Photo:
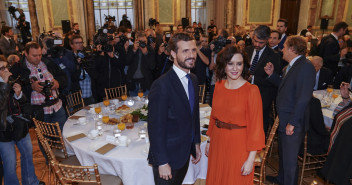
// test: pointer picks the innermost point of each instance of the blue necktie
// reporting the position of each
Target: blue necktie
(254, 62)
(190, 92)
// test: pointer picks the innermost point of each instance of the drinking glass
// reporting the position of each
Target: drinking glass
(124, 96)
(99, 127)
(140, 93)
(105, 118)
(117, 133)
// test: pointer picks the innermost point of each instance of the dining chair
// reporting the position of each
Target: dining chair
(309, 161)
(260, 158)
(201, 93)
(116, 92)
(74, 102)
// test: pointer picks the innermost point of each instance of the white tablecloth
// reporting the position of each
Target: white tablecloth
(328, 111)
(129, 163)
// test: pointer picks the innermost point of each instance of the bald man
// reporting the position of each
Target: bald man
(323, 76)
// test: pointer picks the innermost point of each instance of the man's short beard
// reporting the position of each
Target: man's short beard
(183, 64)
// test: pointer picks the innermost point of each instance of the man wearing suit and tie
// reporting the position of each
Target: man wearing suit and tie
(174, 130)
(281, 27)
(323, 76)
(259, 54)
(329, 48)
(7, 44)
(294, 94)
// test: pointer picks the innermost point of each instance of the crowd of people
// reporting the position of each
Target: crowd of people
(246, 72)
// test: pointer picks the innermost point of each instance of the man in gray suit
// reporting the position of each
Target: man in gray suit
(7, 44)
(295, 90)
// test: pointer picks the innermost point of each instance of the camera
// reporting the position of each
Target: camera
(102, 38)
(196, 34)
(53, 45)
(167, 36)
(219, 43)
(47, 92)
(142, 44)
(85, 59)
(123, 40)
(150, 40)
(110, 18)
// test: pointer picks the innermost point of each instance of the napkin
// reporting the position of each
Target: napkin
(75, 137)
(75, 117)
(203, 138)
(203, 105)
(87, 107)
(106, 148)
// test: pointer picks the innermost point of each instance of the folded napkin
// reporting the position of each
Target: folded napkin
(75, 137)
(87, 107)
(75, 117)
(203, 105)
(105, 149)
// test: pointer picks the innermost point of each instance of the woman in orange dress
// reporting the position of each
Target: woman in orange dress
(236, 123)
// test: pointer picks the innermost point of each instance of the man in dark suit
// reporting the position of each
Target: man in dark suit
(344, 75)
(259, 54)
(173, 128)
(323, 76)
(274, 41)
(329, 48)
(294, 93)
(282, 28)
(7, 44)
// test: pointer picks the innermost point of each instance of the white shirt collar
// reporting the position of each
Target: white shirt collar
(294, 60)
(336, 37)
(283, 35)
(180, 73)
(7, 38)
(274, 47)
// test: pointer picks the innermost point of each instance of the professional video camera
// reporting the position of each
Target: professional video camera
(53, 44)
(109, 18)
(85, 59)
(102, 38)
(12, 10)
(219, 43)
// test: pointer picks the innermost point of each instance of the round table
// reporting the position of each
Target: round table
(129, 163)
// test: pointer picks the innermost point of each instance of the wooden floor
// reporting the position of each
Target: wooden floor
(41, 169)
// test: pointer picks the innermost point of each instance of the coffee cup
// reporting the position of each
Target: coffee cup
(91, 110)
(94, 133)
(115, 101)
(123, 141)
(82, 120)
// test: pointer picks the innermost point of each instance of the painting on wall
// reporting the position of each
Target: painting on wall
(257, 11)
(327, 9)
(166, 11)
(59, 11)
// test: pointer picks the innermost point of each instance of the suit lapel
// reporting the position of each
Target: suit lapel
(178, 87)
(196, 92)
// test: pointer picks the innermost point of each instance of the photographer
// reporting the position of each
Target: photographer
(14, 131)
(141, 62)
(84, 75)
(41, 80)
(203, 60)
(24, 28)
(164, 60)
(125, 22)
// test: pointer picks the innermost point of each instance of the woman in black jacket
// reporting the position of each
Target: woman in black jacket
(12, 133)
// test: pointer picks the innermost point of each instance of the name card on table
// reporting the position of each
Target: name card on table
(110, 139)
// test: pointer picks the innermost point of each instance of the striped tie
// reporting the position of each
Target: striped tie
(254, 62)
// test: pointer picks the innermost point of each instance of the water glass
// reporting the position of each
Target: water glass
(99, 127)
(117, 133)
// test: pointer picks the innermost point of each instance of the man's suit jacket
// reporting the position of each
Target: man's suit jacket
(329, 50)
(325, 78)
(294, 93)
(344, 75)
(282, 42)
(171, 125)
(267, 90)
(7, 48)
(283, 63)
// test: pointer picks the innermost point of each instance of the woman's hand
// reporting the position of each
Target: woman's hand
(207, 149)
(247, 167)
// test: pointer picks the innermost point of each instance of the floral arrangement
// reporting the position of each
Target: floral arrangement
(142, 113)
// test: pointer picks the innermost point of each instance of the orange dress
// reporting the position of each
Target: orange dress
(229, 149)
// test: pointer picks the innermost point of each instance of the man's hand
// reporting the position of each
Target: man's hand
(99, 47)
(165, 172)
(269, 68)
(135, 45)
(56, 85)
(289, 129)
(17, 88)
(36, 87)
(344, 90)
(111, 54)
(127, 43)
(207, 149)
(198, 155)
(5, 75)
(343, 52)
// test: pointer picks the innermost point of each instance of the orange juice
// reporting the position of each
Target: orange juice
(335, 96)
(121, 126)
(105, 119)
(329, 90)
(97, 110)
(106, 102)
(124, 97)
(140, 94)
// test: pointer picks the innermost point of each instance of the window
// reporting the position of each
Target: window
(198, 11)
(117, 8)
(22, 4)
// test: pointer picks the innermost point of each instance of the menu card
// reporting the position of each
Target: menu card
(105, 149)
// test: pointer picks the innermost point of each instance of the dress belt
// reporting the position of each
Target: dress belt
(228, 126)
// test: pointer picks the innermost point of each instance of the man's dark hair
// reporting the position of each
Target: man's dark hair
(262, 32)
(5, 29)
(179, 37)
(179, 25)
(141, 34)
(283, 20)
(194, 22)
(74, 24)
(340, 25)
(275, 31)
(121, 29)
(297, 43)
(75, 37)
(224, 33)
(30, 45)
(309, 26)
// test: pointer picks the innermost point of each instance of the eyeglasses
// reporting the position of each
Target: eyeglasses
(4, 67)
(40, 73)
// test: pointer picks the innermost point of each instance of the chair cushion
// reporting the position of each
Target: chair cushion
(259, 157)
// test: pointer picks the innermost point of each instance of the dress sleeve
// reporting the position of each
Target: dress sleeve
(255, 131)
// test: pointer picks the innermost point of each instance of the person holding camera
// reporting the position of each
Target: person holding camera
(42, 80)
(164, 60)
(14, 131)
(141, 62)
(202, 61)
(24, 28)
(83, 78)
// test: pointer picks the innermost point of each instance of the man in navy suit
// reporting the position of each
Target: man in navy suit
(323, 76)
(294, 93)
(173, 118)
(281, 27)
(329, 48)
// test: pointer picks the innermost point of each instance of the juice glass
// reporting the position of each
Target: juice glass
(140, 93)
(124, 96)
(105, 118)
(121, 126)
(106, 102)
